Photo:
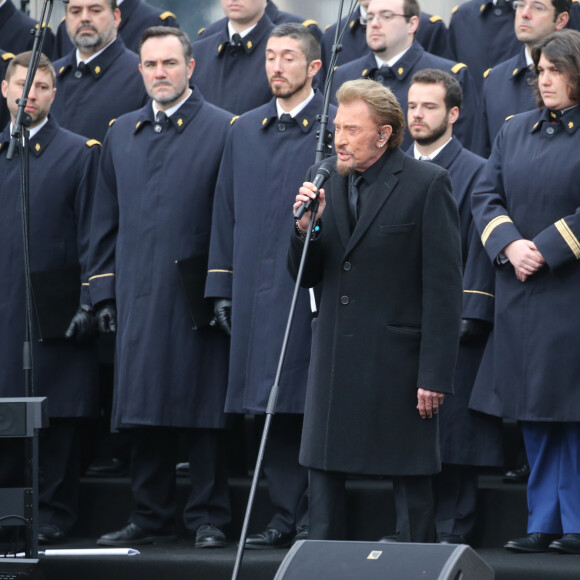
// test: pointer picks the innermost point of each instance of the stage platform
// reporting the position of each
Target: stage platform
(106, 503)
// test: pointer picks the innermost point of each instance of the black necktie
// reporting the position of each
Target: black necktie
(82, 69)
(353, 195)
(236, 43)
(161, 122)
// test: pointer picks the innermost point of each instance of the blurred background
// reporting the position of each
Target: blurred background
(195, 14)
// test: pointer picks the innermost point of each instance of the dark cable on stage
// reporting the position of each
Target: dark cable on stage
(19, 141)
(322, 151)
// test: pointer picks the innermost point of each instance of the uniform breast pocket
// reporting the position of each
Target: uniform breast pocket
(396, 229)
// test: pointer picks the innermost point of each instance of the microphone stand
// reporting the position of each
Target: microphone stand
(19, 139)
(322, 151)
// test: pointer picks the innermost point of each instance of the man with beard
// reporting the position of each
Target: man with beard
(506, 87)
(99, 80)
(468, 439)
(152, 211)
(387, 254)
(136, 17)
(230, 71)
(265, 160)
(394, 55)
(63, 169)
(5, 58)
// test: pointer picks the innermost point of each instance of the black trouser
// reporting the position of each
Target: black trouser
(153, 458)
(287, 480)
(455, 490)
(413, 503)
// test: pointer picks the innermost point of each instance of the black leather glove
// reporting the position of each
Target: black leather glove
(222, 308)
(474, 331)
(83, 326)
(106, 316)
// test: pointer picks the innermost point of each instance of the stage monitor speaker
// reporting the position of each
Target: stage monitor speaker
(314, 560)
(20, 569)
(20, 416)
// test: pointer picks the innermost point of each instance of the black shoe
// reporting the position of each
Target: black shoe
(567, 544)
(536, 542)
(301, 534)
(49, 534)
(268, 539)
(132, 534)
(182, 469)
(209, 536)
(446, 538)
(518, 475)
(389, 539)
(108, 467)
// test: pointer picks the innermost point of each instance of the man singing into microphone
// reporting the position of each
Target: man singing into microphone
(386, 253)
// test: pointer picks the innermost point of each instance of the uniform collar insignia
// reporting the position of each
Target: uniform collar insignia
(570, 120)
(179, 120)
(39, 143)
(250, 41)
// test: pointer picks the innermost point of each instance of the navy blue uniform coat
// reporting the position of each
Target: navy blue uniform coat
(153, 207)
(431, 35)
(5, 58)
(530, 370)
(15, 27)
(233, 78)
(111, 87)
(388, 322)
(468, 437)
(276, 15)
(506, 92)
(63, 170)
(261, 171)
(415, 59)
(136, 17)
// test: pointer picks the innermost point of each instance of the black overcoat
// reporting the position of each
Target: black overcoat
(388, 322)
(153, 207)
(63, 170)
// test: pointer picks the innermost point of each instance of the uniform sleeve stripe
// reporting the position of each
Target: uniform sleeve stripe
(497, 221)
(220, 271)
(101, 276)
(479, 292)
(569, 237)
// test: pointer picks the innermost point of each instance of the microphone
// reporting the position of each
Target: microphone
(322, 174)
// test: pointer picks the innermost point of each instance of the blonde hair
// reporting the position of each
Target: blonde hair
(382, 103)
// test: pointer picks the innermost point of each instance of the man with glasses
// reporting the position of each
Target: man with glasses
(395, 55)
(506, 88)
(431, 35)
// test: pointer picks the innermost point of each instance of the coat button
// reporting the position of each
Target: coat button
(347, 266)
(497, 12)
(550, 130)
(344, 300)
(157, 128)
(380, 79)
(78, 74)
(281, 127)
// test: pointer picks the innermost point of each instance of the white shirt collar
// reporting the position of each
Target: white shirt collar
(2, 2)
(34, 130)
(171, 110)
(433, 154)
(296, 110)
(393, 60)
(529, 60)
(243, 34)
